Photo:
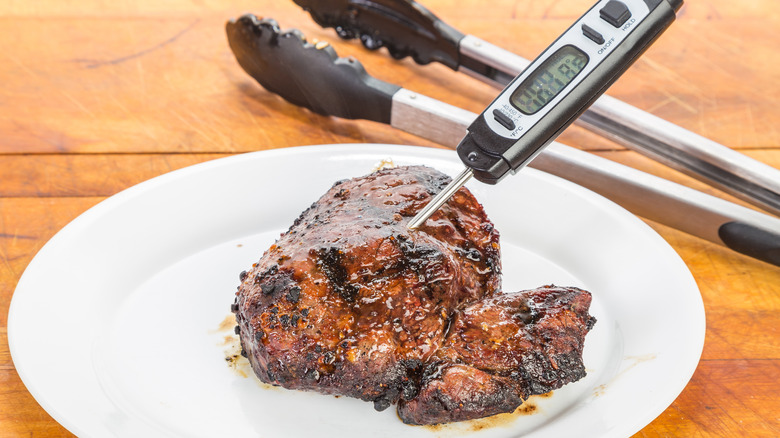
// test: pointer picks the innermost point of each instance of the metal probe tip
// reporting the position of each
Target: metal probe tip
(439, 200)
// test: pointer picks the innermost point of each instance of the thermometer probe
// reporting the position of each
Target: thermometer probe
(555, 89)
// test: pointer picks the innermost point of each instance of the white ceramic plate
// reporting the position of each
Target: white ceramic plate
(118, 326)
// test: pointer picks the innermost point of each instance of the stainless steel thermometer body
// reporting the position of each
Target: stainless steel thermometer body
(556, 88)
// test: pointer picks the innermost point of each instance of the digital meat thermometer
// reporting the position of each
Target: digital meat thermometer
(555, 89)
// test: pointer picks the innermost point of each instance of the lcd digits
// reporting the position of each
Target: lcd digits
(549, 79)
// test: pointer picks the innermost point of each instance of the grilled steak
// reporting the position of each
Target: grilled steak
(349, 301)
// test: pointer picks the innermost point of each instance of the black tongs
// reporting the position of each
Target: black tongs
(406, 28)
(284, 63)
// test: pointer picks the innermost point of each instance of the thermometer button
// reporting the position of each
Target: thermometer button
(592, 34)
(503, 119)
(615, 13)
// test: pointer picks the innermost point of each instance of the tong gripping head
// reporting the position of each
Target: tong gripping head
(404, 27)
(307, 74)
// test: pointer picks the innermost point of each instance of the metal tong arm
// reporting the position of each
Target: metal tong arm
(406, 28)
(719, 221)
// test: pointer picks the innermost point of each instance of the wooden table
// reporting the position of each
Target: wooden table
(97, 96)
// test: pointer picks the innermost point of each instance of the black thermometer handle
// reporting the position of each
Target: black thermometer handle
(561, 84)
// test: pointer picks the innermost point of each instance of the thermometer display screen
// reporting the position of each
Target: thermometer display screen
(547, 81)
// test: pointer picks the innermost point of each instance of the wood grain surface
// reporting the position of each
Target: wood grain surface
(96, 96)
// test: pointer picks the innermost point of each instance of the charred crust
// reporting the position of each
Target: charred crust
(329, 357)
(302, 217)
(472, 254)
(330, 261)
(435, 182)
(538, 377)
(410, 383)
(274, 286)
(526, 314)
(383, 402)
(294, 294)
(312, 375)
(415, 256)
(265, 274)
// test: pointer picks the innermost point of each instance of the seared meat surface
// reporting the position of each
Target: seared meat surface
(349, 301)
(502, 350)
